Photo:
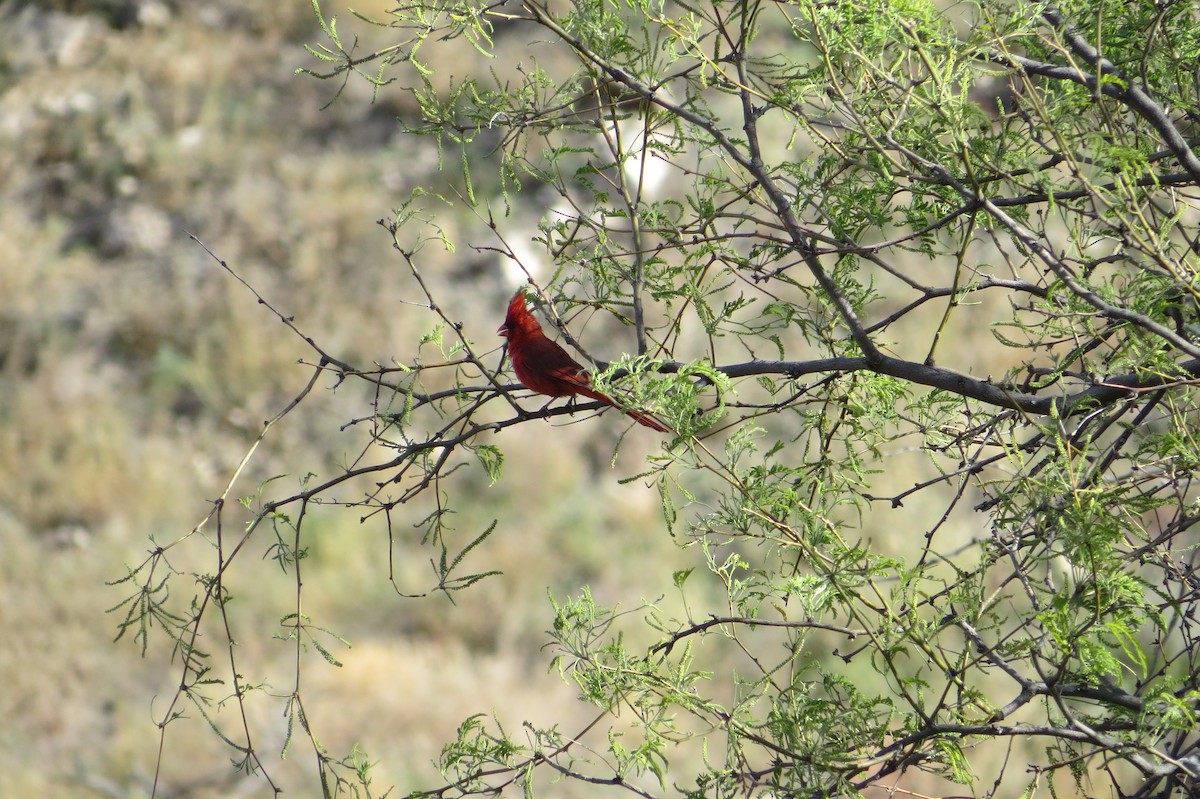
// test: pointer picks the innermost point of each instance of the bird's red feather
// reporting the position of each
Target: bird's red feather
(545, 367)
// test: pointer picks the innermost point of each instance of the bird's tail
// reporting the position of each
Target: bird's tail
(647, 421)
(644, 419)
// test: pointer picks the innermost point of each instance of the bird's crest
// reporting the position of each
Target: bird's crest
(519, 320)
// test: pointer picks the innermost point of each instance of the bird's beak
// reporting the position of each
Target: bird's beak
(502, 330)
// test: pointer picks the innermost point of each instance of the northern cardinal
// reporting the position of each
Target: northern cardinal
(545, 367)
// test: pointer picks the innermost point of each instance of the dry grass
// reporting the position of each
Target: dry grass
(135, 373)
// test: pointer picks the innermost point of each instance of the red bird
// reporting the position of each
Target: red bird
(544, 367)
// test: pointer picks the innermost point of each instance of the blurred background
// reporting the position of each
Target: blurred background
(135, 373)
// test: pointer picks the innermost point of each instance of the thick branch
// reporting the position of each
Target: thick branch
(1125, 90)
(1034, 244)
(983, 390)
